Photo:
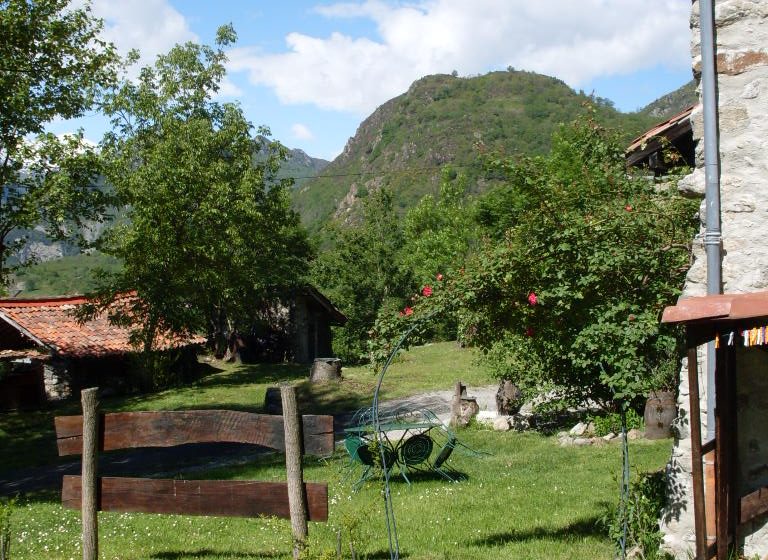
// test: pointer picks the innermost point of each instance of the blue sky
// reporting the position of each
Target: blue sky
(312, 71)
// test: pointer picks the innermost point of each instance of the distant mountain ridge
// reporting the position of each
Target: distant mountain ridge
(674, 102)
(444, 119)
(404, 143)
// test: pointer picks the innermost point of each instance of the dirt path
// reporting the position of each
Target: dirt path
(170, 462)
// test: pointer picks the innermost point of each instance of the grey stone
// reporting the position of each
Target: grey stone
(501, 424)
(609, 437)
(582, 441)
(579, 429)
(634, 433)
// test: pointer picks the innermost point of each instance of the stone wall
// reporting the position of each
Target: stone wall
(742, 58)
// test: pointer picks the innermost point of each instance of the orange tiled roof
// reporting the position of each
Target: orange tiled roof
(51, 323)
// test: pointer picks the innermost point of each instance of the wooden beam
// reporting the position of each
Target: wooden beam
(699, 514)
(753, 505)
(232, 498)
(725, 451)
(124, 430)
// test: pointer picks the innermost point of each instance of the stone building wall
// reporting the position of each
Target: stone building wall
(742, 58)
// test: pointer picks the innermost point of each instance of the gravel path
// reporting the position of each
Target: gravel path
(170, 462)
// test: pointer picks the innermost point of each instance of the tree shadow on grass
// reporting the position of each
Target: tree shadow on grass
(585, 527)
(209, 553)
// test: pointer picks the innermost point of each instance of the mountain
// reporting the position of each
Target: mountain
(444, 119)
(671, 104)
(301, 167)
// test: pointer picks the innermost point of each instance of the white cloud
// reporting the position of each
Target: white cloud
(301, 132)
(151, 26)
(228, 89)
(575, 41)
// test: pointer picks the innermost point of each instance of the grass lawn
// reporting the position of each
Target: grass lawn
(530, 500)
(27, 438)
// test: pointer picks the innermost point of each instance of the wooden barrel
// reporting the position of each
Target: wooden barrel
(660, 412)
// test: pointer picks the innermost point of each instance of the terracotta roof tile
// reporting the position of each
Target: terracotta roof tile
(51, 322)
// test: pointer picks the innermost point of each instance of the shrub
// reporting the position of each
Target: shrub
(647, 496)
(611, 422)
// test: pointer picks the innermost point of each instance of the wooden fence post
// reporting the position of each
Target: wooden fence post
(90, 403)
(296, 501)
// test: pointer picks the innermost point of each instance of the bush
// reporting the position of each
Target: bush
(647, 497)
(157, 370)
(611, 422)
(6, 510)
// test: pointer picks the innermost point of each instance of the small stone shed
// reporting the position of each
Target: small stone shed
(729, 473)
(46, 354)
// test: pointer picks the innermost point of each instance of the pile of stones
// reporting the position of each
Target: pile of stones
(583, 434)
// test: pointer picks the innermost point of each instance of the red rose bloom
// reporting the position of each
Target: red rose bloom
(532, 299)
(408, 311)
(426, 291)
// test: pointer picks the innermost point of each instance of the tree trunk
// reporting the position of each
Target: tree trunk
(235, 345)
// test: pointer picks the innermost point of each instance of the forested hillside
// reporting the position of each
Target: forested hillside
(404, 144)
(443, 119)
(672, 103)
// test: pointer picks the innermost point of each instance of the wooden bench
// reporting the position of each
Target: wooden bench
(93, 432)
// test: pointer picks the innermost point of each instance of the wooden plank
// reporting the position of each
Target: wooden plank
(708, 447)
(710, 494)
(229, 498)
(697, 469)
(124, 430)
(753, 505)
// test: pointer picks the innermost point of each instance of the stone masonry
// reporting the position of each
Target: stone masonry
(742, 60)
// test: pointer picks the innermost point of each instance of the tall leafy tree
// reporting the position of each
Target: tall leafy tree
(362, 273)
(209, 235)
(53, 65)
(438, 231)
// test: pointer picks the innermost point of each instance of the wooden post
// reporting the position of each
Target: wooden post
(697, 469)
(90, 403)
(459, 391)
(296, 501)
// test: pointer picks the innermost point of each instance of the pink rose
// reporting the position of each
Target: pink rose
(439, 277)
(532, 299)
(408, 311)
(426, 291)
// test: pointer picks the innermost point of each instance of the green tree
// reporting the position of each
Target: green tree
(570, 299)
(438, 232)
(361, 272)
(570, 296)
(209, 236)
(52, 65)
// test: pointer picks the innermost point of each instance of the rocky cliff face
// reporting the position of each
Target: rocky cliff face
(742, 59)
